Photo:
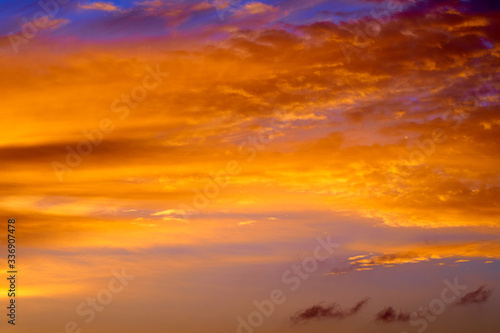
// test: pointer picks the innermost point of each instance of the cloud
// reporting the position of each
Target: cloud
(203, 6)
(254, 11)
(245, 223)
(338, 147)
(417, 254)
(168, 212)
(223, 4)
(478, 296)
(389, 315)
(258, 8)
(329, 311)
(348, 125)
(172, 215)
(104, 6)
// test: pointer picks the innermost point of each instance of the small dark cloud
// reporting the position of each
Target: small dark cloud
(328, 311)
(480, 295)
(388, 315)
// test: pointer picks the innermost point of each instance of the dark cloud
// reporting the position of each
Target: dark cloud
(478, 296)
(329, 311)
(388, 315)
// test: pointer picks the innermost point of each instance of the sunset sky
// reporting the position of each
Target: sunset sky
(207, 148)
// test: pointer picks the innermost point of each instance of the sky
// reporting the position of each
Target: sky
(251, 166)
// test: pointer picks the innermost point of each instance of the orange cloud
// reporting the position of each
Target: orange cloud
(104, 6)
(258, 8)
(413, 254)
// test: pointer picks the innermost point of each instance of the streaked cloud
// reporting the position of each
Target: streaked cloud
(327, 311)
(104, 6)
(258, 8)
(325, 144)
(478, 296)
(389, 315)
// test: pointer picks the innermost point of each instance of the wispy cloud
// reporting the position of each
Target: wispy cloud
(390, 315)
(327, 311)
(478, 296)
(417, 254)
(246, 223)
(104, 6)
